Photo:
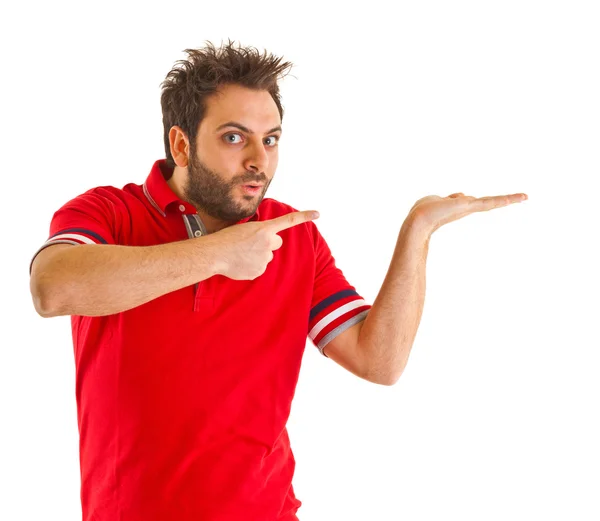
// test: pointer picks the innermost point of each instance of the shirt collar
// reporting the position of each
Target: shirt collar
(159, 193)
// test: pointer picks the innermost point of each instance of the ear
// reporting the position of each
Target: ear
(180, 146)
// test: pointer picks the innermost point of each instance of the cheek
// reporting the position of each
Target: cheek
(228, 167)
(274, 161)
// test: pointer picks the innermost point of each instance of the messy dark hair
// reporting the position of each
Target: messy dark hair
(192, 80)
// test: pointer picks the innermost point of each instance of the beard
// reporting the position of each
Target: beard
(207, 191)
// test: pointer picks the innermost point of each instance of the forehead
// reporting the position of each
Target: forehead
(253, 108)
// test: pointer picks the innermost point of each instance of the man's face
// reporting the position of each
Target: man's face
(236, 145)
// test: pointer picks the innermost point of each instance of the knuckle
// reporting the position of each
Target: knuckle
(266, 236)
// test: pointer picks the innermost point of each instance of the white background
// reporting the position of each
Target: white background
(496, 415)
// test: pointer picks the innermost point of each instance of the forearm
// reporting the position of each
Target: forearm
(389, 330)
(98, 279)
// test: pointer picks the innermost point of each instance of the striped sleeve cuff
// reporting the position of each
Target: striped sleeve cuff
(70, 236)
(334, 315)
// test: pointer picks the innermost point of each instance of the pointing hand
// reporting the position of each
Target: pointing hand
(244, 250)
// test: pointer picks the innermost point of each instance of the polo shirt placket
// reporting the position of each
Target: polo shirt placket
(162, 200)
(204, 299)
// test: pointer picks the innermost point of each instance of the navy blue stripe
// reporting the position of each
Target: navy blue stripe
(81, 230)
(330, 300)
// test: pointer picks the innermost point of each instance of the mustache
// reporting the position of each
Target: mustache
(253, 179)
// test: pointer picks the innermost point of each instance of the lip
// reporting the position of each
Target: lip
(253, 190)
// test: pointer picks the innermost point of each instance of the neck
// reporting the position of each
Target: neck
(175, 181)
(211, 224)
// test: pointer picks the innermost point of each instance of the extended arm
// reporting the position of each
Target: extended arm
(388, 332)
(102, 279)
(377, 349)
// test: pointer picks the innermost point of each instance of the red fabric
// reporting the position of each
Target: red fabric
(183, 401)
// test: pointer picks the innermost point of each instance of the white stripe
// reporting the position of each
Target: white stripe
(341, 328)
(82, 238)
(45, 245)
(152, 202)
(328, 319)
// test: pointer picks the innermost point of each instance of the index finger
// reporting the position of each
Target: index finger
(291, 219)
(497, 201)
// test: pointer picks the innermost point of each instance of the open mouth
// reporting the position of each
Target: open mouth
(252, 189)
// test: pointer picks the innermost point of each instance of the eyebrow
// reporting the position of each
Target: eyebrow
(246, 129)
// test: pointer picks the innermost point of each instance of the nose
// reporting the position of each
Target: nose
(258, 159)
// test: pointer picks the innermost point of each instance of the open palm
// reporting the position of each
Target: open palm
(436, 211)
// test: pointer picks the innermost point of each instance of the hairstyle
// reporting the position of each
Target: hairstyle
(191, 81)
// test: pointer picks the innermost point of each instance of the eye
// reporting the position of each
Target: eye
(230, 138)
(227, 137)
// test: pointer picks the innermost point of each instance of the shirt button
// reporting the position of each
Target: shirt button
(197, 233)
(182, 208)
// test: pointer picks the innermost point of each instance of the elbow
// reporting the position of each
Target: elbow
(387, 378)
(41, 308)
(395, 375)
(390, 380)
(42, 301)
(384, 365)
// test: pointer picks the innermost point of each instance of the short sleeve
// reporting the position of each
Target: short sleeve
(89, 218)
(336, 305)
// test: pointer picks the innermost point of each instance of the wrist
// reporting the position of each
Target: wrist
(417, 225)
(212, 252)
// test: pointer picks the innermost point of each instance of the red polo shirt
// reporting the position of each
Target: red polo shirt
(182, 402)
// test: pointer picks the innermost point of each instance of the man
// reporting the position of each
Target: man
(191, 297)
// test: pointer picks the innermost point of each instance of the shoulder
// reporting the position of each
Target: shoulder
(107, 200)
(101, 193)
